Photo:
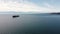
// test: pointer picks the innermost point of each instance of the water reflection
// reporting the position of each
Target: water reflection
(29, 24)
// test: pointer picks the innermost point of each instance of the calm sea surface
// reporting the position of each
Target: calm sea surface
(29, 24)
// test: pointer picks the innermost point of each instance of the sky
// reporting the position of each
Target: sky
(37, 6)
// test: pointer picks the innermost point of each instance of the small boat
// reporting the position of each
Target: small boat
(15, 16)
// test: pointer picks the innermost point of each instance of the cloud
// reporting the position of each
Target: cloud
(24, 6)
(18, 7)
(51, 7)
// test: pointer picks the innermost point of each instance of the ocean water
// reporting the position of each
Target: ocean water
(29, 24)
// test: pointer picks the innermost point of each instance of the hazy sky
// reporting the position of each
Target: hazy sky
(41, 6)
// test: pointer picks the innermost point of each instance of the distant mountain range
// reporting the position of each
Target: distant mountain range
(13, 12)
(56, 13)
(19, 13)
